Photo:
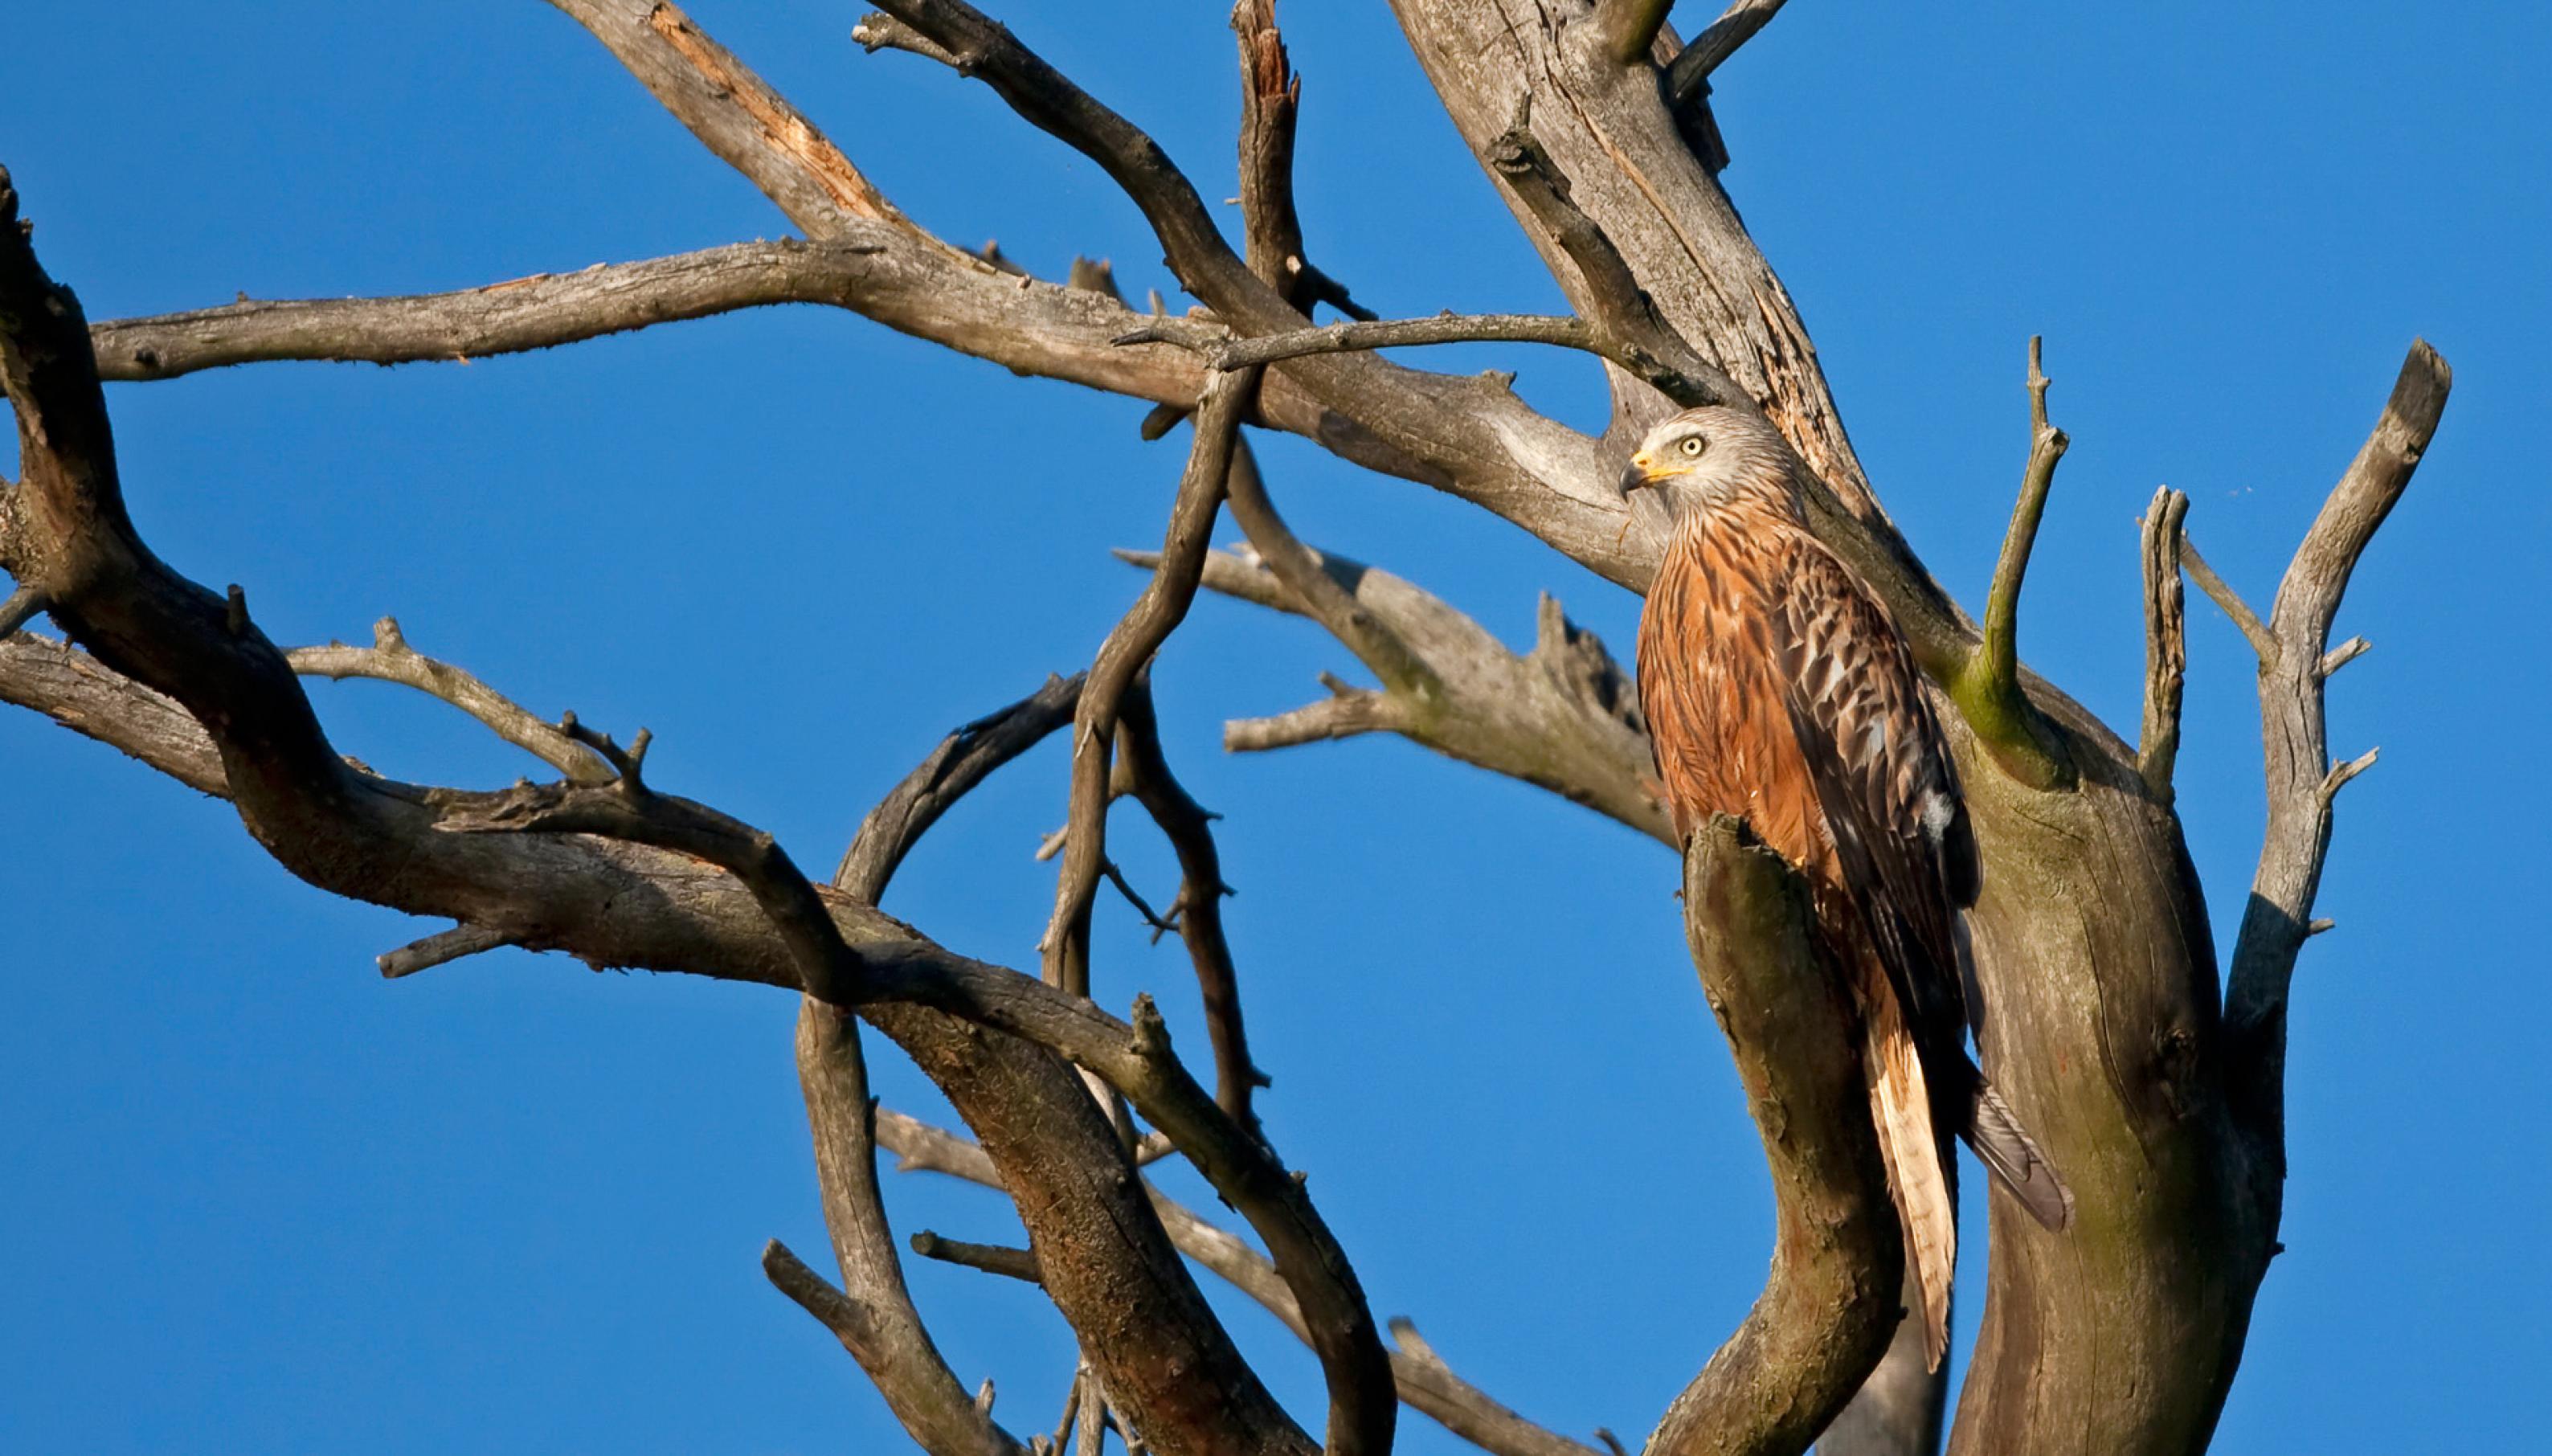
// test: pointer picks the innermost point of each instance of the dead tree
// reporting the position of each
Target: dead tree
(1592, 119)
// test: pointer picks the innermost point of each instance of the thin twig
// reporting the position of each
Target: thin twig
(1143, 770)
(879, 31)
(1222, 350)
(2253, 631)
(2341, 655)
(390, 660)
(1135, 897)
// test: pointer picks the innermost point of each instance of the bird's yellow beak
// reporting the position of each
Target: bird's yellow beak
(1639, 474)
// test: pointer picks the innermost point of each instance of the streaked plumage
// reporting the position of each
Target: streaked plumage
(1777, 687)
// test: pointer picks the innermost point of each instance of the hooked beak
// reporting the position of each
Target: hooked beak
(1634, 476)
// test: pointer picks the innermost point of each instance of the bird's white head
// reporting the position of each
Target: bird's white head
(1706, 459)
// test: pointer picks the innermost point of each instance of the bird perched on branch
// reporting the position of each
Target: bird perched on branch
(1778, 689)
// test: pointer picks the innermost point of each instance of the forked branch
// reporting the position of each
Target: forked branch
(1425, 1382)
(1128, 647)
(1142, 771)
(1564, 716)
(2302, 779)
(890, 1342)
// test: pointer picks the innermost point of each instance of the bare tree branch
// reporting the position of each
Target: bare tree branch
(1689, 75)
(1224, 352)
(1421, 1378)
(2301, 778)
(1830, 1305)
(1131, 644)
(893, 1347)
(1630, 27)
(1564, 716)
(390, 660)
(440, 949)
(962, 760)
(1988, 688)
(879, 31)
(1271, 96)
(2253, 631)
(636, 905)
(1143, 770)
(23, 605)
(1019, 1264)
(2166, 641)
(1622, 311)
(735, 113)
(1345, 713)
(73, 689)
(538, 312)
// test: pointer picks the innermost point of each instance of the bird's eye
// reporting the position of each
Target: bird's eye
(1694, 445)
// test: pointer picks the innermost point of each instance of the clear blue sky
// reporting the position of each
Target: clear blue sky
(253, 1197)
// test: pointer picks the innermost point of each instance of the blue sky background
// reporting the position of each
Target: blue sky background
(253, 1197)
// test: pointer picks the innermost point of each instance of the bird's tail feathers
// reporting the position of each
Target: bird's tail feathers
(1917, 1171)
(2015, 1159)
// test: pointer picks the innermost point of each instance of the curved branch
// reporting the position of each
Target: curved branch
(888, 1340)
(1129, 646)
(1830, 1303)
(1226, 352)
(962, 760)
(622, 904)
(1988, 687)
(390, 660)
